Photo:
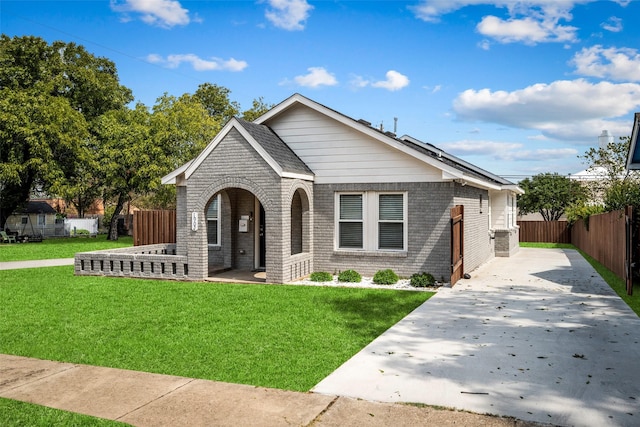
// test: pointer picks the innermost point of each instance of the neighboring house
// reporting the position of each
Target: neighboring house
(633, 159)
(37, 218)
(40, 219)
(304, 188)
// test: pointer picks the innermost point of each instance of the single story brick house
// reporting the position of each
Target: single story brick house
(305, 188)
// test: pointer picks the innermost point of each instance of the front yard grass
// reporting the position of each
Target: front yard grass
(65, 247)
(21, 414)
(287, 337)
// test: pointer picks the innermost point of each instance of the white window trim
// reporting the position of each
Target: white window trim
(338, 221)
(370, 220)
(219, 227)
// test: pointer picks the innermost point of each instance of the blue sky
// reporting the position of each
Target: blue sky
(515, 87)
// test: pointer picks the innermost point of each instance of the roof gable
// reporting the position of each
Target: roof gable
(266, 143)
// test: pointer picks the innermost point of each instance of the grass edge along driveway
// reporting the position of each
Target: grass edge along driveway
(280, 336)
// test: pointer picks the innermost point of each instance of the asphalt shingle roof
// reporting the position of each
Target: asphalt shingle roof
(276, 147)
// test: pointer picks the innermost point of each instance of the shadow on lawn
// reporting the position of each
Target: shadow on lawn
(368, 315)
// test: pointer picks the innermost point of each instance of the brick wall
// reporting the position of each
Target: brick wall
(478, 241)
(428, 234)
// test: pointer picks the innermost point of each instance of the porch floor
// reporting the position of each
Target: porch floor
(238, 276)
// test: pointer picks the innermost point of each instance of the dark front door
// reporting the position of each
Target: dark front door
(263, 239)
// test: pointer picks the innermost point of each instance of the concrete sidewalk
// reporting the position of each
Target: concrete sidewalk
(539, 336)
(12, 265)
(144, 399)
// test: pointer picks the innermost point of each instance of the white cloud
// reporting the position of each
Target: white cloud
(526, 30)
(570, 110)
(613, 24)
(528, 21)
(317, 76)
(484, 44)
(163, 13)
(622, 64)
(506, 151)
(288, 14)
(431, 10)
(394, 81)
(198, 64)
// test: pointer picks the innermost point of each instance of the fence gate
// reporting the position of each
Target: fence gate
(457, 243)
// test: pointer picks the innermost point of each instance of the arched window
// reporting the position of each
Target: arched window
(296, 223)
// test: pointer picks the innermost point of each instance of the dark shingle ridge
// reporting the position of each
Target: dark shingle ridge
(451, 160)
(276, 147)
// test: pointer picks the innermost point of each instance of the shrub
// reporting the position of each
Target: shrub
(350, 276)
(422, 280)
(385, 277)
(81, 232)
(321, 276)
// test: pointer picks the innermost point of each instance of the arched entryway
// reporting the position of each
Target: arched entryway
(236, 234)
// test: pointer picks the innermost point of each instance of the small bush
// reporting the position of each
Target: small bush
(385, 277)
(422, 280)
(350, 276)
(321, 276)
(81, 232)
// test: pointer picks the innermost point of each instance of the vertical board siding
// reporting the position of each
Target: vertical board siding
(604, 240)
(153, 227)
(545, 231)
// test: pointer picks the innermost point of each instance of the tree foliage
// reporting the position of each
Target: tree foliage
(49, 96)
(549, 194)
(66, 129)
(616, 187)
(258, 108)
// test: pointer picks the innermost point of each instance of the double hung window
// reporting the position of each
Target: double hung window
(351, 221)
(213, 221)
(372, 221)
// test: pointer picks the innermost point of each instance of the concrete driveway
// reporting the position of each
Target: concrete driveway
(538, 336)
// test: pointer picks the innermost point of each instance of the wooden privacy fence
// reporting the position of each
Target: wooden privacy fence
(153, 227)
(603, 237)
(545, 231)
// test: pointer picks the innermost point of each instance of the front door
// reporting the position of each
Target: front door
(262, 240)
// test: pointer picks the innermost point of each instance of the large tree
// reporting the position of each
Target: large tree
(549, 194)
(183, 127)
(128, 158)
(50, 94)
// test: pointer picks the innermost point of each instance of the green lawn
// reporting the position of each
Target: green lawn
(616, 283)
(59, 247)
(287, 337)
(22, 414)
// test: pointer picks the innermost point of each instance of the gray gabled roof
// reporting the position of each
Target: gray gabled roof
(36, 207)
(276, 148)
(267, 144)
(451, 160)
